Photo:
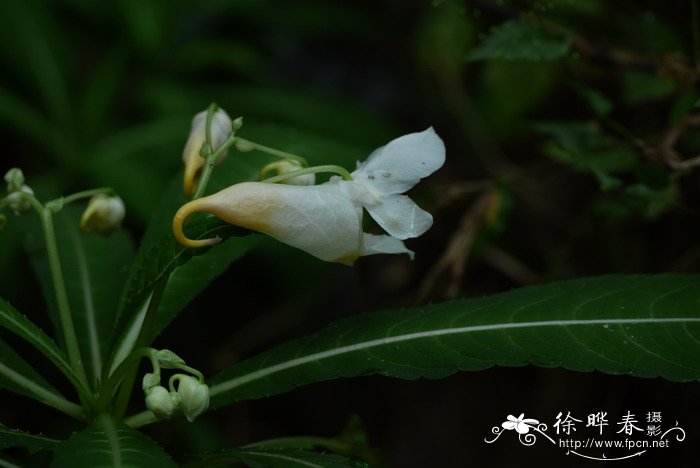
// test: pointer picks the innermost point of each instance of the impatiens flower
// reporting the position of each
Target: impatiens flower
(194, 397)
(221, 129)
(103, 215)
(161, 402)
(521, 426)
(326, 220)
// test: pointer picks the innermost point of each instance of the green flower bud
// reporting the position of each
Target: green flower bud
(16, 201)
(161, 402)
(149, 381)
(15, 180)
(194, 397)
(237, 123)
(289, 165)
(103, 215)
(169, 360)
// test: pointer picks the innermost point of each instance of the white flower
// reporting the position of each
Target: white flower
(103, 215)
(194, 397)
(326, 220)
(221, 129)
(161, 402)
(521, 426)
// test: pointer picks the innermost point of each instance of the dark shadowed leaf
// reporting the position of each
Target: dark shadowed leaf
(645, 326)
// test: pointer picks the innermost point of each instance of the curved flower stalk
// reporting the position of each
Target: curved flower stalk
(326, 220)
(221, 129)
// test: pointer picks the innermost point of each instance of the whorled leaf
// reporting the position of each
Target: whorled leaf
(94, 271)
(17, 438)
(644, 326)
(27, 330)
(110, 443)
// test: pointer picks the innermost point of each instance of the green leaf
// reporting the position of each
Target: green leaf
(263, 457)
(520, 40)
(584, 147)
(94, 270)
(644, 326)
(27, 330)
(33, 443)
(166, 258)
(20, 377)
(110, 443)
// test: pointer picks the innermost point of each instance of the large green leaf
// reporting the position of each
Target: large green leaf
(110, 443)
(33, 443)
(20, 377)
(94, 270)
(645, 326)
(27, 330)
(262, 457)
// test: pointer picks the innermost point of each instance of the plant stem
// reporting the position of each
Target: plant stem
(311, 170)
(84, 194)
(110, 386)
(141, 419)
(141, 341)
(272, 151)
(64, 312)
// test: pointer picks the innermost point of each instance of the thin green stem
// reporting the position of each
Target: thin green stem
(210, 155)
(311, 170)
(141, 419)
(110, 386)
(142, 340)
(84, 194)
(64, 312)
(272, 151)
(42, 394)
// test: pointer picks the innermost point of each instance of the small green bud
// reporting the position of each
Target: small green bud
(161, 402)
(16, 201)
(237, 123)
(289, 165)
(149, 381)
(15, 180)
(169, 360)
(194, 396)
(244, 146)
(103, 215)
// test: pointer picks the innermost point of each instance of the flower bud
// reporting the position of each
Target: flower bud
(221, 129)
(169, 360)
(17, 203)
(103, 215)
(15, 180)
(194, 397)
(161, 402)
(149, 381)
(290, 165)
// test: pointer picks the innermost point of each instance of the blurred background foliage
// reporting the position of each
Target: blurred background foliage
(572, 143)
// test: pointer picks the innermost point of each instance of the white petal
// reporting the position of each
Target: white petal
(400, 217)
(383, 245)
(316, 219)
(400, 165)
(508, 425)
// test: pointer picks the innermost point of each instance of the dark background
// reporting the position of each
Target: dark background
(95, 93)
